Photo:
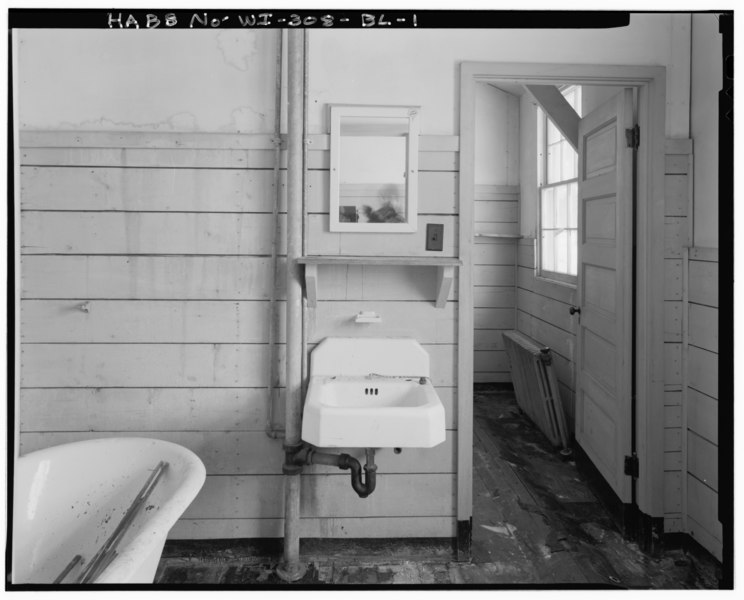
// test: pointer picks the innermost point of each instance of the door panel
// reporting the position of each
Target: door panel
(604, 351)
(599, 221)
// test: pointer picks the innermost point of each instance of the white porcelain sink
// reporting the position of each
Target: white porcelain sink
(391, 404)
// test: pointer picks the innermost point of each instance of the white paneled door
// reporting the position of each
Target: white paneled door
(605, 290)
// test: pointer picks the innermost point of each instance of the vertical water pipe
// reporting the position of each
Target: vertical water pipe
(272, 367)
(290, 569)
(305, 219)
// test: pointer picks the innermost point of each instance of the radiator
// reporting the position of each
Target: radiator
(536, 387)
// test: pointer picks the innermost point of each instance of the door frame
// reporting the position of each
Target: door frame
(649, 298)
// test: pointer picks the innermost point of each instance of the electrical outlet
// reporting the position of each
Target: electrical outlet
(434, 236)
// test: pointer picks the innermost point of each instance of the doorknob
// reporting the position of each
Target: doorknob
(574, 309)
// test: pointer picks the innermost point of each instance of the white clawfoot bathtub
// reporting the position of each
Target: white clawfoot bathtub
(69, 500)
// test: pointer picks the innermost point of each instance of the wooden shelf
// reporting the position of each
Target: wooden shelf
(503, 236)
(425, 261)
(445, 270)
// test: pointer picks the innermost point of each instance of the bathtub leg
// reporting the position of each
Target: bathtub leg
(291, 569)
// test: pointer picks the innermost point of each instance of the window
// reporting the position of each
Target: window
(558, 166)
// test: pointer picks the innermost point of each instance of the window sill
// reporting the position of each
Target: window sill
(567, 284)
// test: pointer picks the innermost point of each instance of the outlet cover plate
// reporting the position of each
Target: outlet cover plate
(435, 236)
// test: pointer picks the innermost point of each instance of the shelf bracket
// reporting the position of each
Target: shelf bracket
(445, 278)
(311, 285)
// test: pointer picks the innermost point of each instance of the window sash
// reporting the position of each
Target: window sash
(557, 240)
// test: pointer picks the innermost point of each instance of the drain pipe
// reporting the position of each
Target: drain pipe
(290, 568)
(307, 455)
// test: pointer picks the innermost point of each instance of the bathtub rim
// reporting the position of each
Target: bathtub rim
(140, 548)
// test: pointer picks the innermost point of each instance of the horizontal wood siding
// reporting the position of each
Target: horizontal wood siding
(494, 261)
(140, 410)
(337, 527)
(542, 314)
(701, 355)
(403, 297)
(254, 453)
(146, 278)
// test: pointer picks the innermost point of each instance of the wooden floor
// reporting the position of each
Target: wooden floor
(536, 523)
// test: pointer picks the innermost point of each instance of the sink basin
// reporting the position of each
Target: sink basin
(374, 410)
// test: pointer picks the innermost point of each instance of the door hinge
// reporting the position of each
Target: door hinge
(633, 137)
(632, 466)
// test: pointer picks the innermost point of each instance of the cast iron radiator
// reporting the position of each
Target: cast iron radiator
(536, 386)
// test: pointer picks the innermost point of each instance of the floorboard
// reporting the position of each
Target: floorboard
(536, 524)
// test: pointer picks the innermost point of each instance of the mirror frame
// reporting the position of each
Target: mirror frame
(337, 112)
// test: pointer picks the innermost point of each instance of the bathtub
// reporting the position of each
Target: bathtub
(68, 500)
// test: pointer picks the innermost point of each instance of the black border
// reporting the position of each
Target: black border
(339, 19)
(10, 318)
(460, 19)
(726, 397)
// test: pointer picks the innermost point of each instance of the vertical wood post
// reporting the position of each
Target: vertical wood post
(465, 323)
(291, 569)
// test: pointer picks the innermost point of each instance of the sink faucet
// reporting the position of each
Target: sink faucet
(422, 380)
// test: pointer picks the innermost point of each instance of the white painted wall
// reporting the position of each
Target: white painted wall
(187, 80)
(678, 78)
(706, 83)
(528, 166)
(420, 67)
(157, 80)
(593, 96)
(496, 137)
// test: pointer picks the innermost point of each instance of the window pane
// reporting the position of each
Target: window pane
(554, 163)
(573, 204)
(569, 163)
(554, 135)
(561, 251)
(547, 243)
(573, 246)
(547, 213)
(558, 204)
(561, 206)
(562, 162)
(572, 95)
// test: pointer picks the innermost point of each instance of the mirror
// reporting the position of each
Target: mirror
(374, 168)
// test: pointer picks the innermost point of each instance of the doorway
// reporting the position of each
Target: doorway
(647, 298)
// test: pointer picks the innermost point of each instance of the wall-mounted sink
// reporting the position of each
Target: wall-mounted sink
(379, 396)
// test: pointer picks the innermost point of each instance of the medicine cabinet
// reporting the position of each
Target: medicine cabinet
(374, 168)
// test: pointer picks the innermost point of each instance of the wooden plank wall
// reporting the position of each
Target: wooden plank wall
(494, 259)
(701, 399)
(677, 203)
(542, 314)
(691, 364)
(404, 299)
(146, 274)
